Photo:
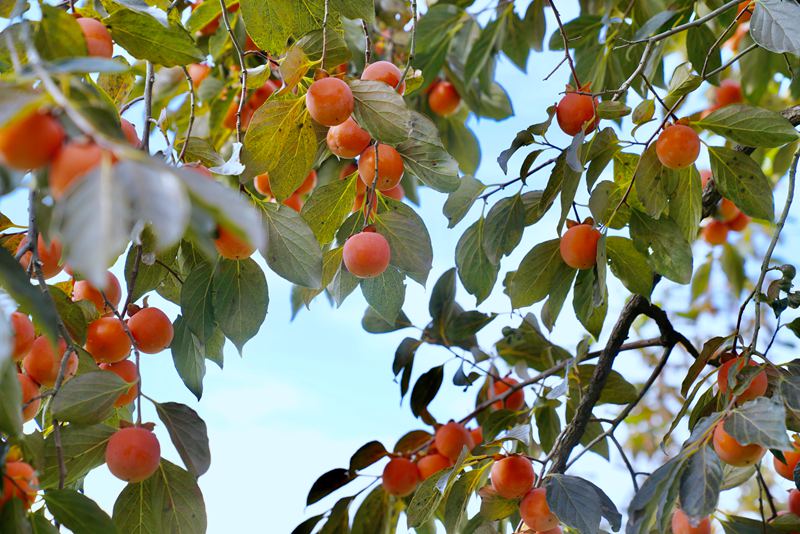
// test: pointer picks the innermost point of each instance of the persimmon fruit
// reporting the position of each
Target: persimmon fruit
(578, 246)
(366, 254)
(535, 511)
(430, 464)
(715, 232)
(43, 361)
(514, 401)
(231, 246)
(49, 256)
(84, 290)
(451, 438)
(347, 140)
(24, 335)
(400, 477)
(73, 162)
(786, 469)
(308, 184)
(576, 112)
(794, 501)
(98, 38)
(739, 223)
(512, 477)
(729, 92)
(295, 201)
(133, 454)
(107, 341)
(30, 141)
(30, 390)
(329, 101)
(678, 146)
(198, 72)
(384, 71)
(390, 167)
(682, 525)
(444, 99)
(151, 329)
(727, 210)
(477, 435)
(757, 388)
(129, 131)
(732, 452)
(747, 7)
(127, 371)
(20, 482)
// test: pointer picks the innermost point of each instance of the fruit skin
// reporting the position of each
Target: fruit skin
(431, 464)
(84, 290)
(739, 223)
(43, 361)
(366, 254)
(127, 371)
(794, 502)
(390, 167)
(261, 183)
(384, 71)
(152, 330)
(30, 141)
(515, 401)
(231, 246)
(400, 477)
(73, 161)
(24, 335)
(578, 246)
(575, 110)
(133, 454)
(477, 435)
(19, 480)
(678, 146)
(786, 469)
(732, 452)
(329, 101)
(107, 341)
(98, 39)
(49, 256)
(745, 6)
(757, 388)
(727, 210)
(198, 72)
(729, 92)
(681, 524)
(512, 477)
(129, 130)
(715, 232)
(443, 99)
(29, 391)
(397, 192)
(348, 140)
(451, 438)
(705, 176)
(308, 184)
(535, 511)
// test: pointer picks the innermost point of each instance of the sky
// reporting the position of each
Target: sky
(307, 393)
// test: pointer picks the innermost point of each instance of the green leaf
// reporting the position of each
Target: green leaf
(700, 42)
(494, 507)
(373, 516)
(77, 512)
(761, 421)
(456, 505)
(644, 111)
(502, 232)
(146, 38)
(652, 506)
(435, 31)
(10, 396)
(460, 142)
(328, 205)
(750, 126)
(84, 448)
(189, 356)
(425, 157)
(686, 202)
(430, 493)
(460, 201)
(281, 141)
(271, 23)
(188, 434)
(612, 109)
(196, 301)
(327, 483)
(385, 293)
(616, 391)
(740, 179)
(651, 179)
(291, 249)
(206, 12)
(774, 26)
(580, 504)
(476, 272)
(240, 299)
(629, 265)
(381, 111)
(408, 239)
(701, 483)
(671, 253)
(733, 266)
(425, 390)
(590, 313)
(14, 280)
(484, 48)
(88, 398)
(549, 426)
(366, 455)
(13, 518)
(745, 525)
(534, 277)
(59, 35)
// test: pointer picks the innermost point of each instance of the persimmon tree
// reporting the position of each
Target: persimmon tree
(180, 140)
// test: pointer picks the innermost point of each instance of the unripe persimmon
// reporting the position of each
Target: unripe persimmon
(84, 290)
(127, 371)
(308, 184)
(30, 390)
(133, 454)
(794, 501)
(152, 330)
(198, 72)
(73, 162)
(24, 335)
(107, 341)
(739, 223)
(576, 112)
(757, 388)
(400, 477)
(443, 99)
(515, 401)
(20, 482)
(329, 101)
(390, 167)
(729, 92)
(451, 438)
(347, 140)
(30, 141)
(682, 525)
(677, 146)
(727, 210)
(43, 361)
(786, 469)
(715, 232)
(231, 246)
(430, 464)
(49, 256)
(366, 254)
(98, 38)
(129, 130)
(535, 511)
(384, 71)
(578, 246)
(732, 452)
(512, 477)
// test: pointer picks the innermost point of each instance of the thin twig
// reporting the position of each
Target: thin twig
(324, 35)
(190, 82)
(367, 43)
(566, 45)
(148, 106)
(412, 45)
(243, 70)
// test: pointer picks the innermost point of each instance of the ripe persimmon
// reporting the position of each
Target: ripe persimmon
(677, 146)
(49, 256)
(107, 341)
(358, 203)
(24, 335)
(366, 254)
(578, 246)
(295, 201)
(390, 167)
(261, 183)
(308, 184)
(329, 101)
(443, 98)
(732, 452)
(747, 7)
(515, 401)
(430, 464)
(705, 176)
(794, 501)
(576, 112)
(198, 72)
(384, 71)
(451, 438)
(84, 290)
(231, 246)
(261, 94)
(512, 477)
(786, 469)
(133, 454)
(43, 361)
(348, 140)
(682, 525)
(535, 511)
(715, 232)
(127, 371)
(757, 388)
(30, 390)
(729, 92)
(152, 330)
(129, 131)
(98, 38)
(400, 477)
(739, 223)
(30, 141)
(477, 435)
(727, 210)
(73, 162)
(19, 481)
